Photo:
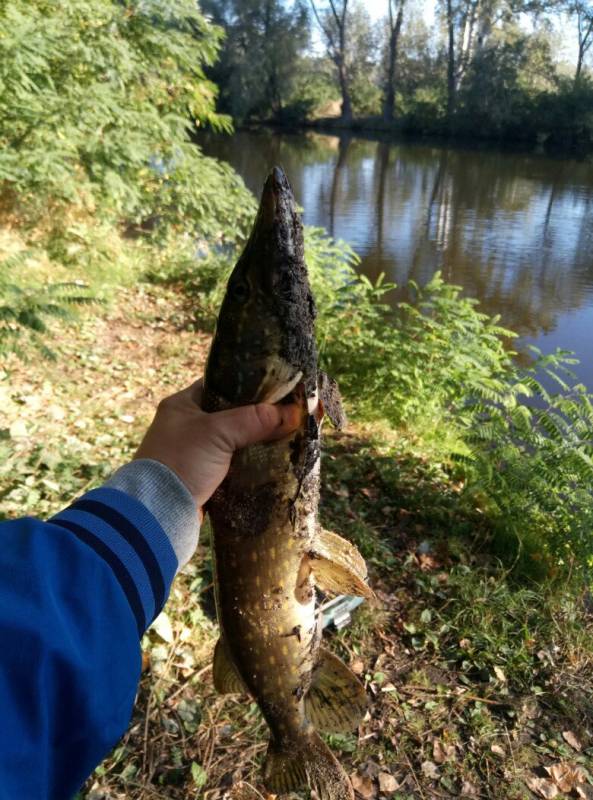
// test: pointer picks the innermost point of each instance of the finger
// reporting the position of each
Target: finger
(247, 425)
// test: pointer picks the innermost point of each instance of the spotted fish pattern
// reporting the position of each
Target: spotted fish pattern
(269, 550)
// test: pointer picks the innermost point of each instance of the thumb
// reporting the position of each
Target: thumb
(247, 425)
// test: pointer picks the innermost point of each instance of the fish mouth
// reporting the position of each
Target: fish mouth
(277, 201)
(264, 342)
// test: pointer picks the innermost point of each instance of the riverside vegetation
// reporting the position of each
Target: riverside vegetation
(464, 478)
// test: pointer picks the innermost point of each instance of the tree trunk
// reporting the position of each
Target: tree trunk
(577, 74)
(394, 32)
(346, 112)
(450, 62)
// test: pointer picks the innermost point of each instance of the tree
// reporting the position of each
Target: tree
(395, 20)
(460, 21)
(263, 44)
(583, 12)
(98, 99)
(333, 23)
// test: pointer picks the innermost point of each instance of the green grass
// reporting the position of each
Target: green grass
(457, 657)
(475, 673)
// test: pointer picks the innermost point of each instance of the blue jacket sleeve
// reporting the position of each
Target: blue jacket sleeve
(76, 594)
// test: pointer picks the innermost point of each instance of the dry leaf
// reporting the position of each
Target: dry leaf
(468, 789)
(500, 674)
(566, 776)
(543, 787)
(497, 750)
(584, 791)
(357, 666)
(18, 430)
(363, 785)
(442, 752)
(244, 791)
(430, 769)
(162, 626)
(572, 740)
(387, 783)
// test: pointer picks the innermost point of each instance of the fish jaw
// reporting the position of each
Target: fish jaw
(264, 342)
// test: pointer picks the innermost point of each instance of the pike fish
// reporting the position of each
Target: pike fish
(269, 549)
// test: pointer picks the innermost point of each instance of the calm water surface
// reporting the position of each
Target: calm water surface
(515, 230)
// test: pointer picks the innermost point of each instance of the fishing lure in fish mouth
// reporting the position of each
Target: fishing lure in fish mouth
(269, 549)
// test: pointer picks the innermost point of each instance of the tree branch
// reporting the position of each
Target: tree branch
(325, 30)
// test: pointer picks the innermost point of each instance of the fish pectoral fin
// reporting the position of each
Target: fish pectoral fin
(226, 676)
(331, 400)
(336, 701)
(308, 761)
(338, 567)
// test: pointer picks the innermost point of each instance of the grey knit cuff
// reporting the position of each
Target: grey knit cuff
(167, 498)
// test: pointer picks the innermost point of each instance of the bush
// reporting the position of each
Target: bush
(439, 368)
(98, 98)
(441, 372)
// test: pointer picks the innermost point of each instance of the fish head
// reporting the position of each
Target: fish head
(264, 343)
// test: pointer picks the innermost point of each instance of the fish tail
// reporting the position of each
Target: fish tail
(311, 763)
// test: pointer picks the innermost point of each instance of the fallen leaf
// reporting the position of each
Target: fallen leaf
(363, 785)
(500, 674)
(18, 429)
(442, 752)
(162, 626)
(357, 666)
(428, 563)
(584, 791)
(430, 769)
(387, 783)
(566, 776)
(572, 740)
(543, 787)
(468, 789)
(438, 752)
(244, 791)
(498, 750)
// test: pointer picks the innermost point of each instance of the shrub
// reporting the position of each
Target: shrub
(440, 368)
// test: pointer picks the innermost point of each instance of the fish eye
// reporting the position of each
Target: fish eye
(240, 291)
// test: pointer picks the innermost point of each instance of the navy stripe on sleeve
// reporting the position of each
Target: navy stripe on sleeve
(119, 570)
(134, 538)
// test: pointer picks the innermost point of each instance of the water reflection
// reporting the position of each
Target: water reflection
(514, 230)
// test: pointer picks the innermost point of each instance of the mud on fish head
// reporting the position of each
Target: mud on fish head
(264, 343)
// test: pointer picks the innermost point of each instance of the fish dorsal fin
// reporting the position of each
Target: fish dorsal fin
(337, 566)
(226, 677)
(336, 702)
(331, 400)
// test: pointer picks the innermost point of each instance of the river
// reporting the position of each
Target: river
(514, 230)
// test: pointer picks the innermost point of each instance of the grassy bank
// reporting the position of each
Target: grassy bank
(479, 683)
(465, 482)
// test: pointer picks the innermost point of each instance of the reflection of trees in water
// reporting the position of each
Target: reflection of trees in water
(496, 224)
(513, 230)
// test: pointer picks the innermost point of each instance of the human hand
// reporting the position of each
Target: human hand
(199, 446)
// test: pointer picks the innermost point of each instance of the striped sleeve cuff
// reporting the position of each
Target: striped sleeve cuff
(123, 532)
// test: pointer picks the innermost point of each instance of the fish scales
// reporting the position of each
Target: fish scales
(269, 550)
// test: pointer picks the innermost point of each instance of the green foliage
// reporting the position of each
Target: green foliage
(314, 91)
(25, 310)
(437, 369)
(97, 100)
(440, 368)
(260, 55)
